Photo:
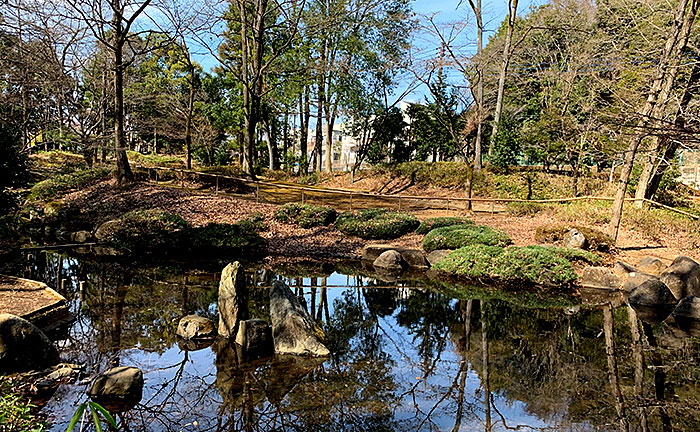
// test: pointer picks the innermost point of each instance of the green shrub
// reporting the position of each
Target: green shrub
(457, 236)
(53, 187)
(430, 224)
(573, 255)
(530, 264)
(155, 160)
(376, 224)
(523, 208)
(306, 215)
(255, 223)
(597, 240)
(141, 230)
(15, 413)
(224, 236)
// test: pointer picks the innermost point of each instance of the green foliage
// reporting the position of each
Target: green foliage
(15, 413)
(523, 208)
(306, 215)
(237, 236)
(57, 162)
(530, 264)
(96, 411)
(506, 144)
(597, 240)
(155, 160)
(457, 236)
(576, 255)
(430, 224)
(376, 224)
(254, 223)
(142, 230)
(389, 138)
(61, 184)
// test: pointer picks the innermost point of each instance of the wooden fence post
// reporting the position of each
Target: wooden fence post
(257, 192)
(351, 202)
(217, 185)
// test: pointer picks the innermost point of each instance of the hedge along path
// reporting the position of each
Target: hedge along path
(282, 193)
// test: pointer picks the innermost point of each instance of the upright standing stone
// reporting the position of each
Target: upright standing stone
(233, 299)
(293, 330)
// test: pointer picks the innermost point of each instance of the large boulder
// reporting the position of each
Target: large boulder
(574, 239)
(233, 299)
(293, 330)
(414, 258)
(255, 339)
(688, 308)
(106, 231)
(600, 277)
(23, 347)
(195, 327)
(682, 277)
(652, 293)
(119, 389)
(389, 260)
(371, 252)
(630, 276)
(651, 265)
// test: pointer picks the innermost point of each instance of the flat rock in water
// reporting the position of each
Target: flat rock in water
(389, 260)
(651, 265)
(195, 327)
(293, 330)
(23, 347)
(600, 277)
(119, 389)
(682, 277)
(371, 252)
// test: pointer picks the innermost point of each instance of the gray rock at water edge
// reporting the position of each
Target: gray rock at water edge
(195, 327)
(688, 308)
(437, 255)
(233, 299)
(630, 276)
(255, 338)
(414, 258)
(389, 260)
(652, 293)
(682, 277)
(118, 389)
(80, 236)
(293, 330)
(623, 270)
(371, 252)
(600, 277)
(23, 347)
(651, 265)
(106, 231)
(575, 240)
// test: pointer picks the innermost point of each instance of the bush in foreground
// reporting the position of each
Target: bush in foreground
(377, 224)
(530, 264)
(430, 224)
(53, 187)
(597, 240)
(306, 215)
(457, 236)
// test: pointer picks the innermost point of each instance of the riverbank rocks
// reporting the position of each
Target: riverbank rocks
(118, 389)
(437, 255)
(23, 347)
(293, 330)
(600, 277)
(630, 276)
(389, 260)
(682, 277)
(413, 258)
(195, 327)
(688, 308)
(80, 236)
(652, 293)
(255, 339)
(233, 299)
(651, 265)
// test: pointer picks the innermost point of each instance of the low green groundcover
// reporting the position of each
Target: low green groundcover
(306, 215)
(378, 224)
(430, 224)
(457, 236)
(597, 240)
(223, 236)
(529, 264)
(55, 186)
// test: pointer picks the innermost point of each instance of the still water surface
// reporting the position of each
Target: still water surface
(405, 356)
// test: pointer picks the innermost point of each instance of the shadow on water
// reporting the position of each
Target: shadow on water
(406, 355)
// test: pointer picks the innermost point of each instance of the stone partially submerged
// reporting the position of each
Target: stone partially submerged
(195, 327)
(23, 347)
(293, 330)
(118, 389)
(652, 300)
(233, 299)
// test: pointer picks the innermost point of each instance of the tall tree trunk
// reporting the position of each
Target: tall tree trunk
(124, 173)
(513, 8)
(319, 111)
(480, 86)
(285, 140)
(304, 119)
(664, 78)
(188, 119)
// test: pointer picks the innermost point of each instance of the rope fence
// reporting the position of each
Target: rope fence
(274, 192)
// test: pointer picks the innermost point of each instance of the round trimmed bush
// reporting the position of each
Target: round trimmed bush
(376, 224)
(430, 224)
(457, 236)
(143, 229)
(306, 215)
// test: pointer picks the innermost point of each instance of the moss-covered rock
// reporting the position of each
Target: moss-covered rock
(457, 236)
(142, 230)
(430, 224)
(597, 240)
(56, 186)
(530, 264)
(306, 215)
(377, 224)
(215, 236)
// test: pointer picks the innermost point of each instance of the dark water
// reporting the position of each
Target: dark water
(405, 358)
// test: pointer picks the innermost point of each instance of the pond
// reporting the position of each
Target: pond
(406, 356)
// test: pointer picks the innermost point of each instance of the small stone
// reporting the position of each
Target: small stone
(389, 260)
(651, 265)
(437, 255)
(80, 236)
(683, 277)
(119, 389)
(689, 307)
(575, 239)
(414, 258)
(195, 327)
(372, 252)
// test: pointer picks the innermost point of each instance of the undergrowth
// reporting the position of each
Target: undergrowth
(438, 222)
(306, 215)
(376, 224)
(61, 184)
(155, 160)
(457, 236)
